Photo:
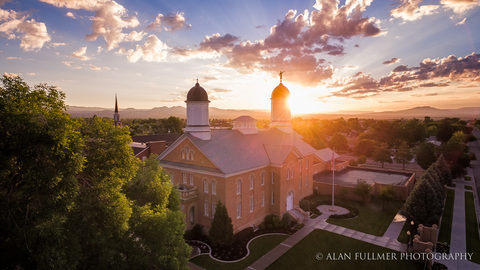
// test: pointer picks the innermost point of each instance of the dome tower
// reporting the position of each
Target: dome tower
(197, 113)
(281, 117)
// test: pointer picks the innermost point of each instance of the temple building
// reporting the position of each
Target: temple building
(253, 172)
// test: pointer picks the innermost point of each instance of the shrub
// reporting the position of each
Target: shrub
(196, 233)
(353, 162)
(286, 220)
(362, 159)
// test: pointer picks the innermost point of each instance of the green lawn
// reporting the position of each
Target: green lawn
(258, 248)
(303, 255)
(446, 226)
(372, 219)
(403, 237)
(473, 240)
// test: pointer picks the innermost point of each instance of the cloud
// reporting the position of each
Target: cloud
(57, 44)
(11, 74)
(80, 54)
(13, 58)
(460, 6)
(32, 34)
(430, 73)
(70, 65)
(153, 50)
(221, 90)
(391, 61)
(71, 15)
(90, 5)
(410, 10)
(135, 36)
(425, 95)
(295, 43)
(171, 22)
(461, 22)
(109, 21)
(95, 68)
(3, 2)
(209, 78)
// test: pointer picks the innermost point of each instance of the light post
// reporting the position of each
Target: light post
(408, 243)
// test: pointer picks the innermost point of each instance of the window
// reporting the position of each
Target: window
(288, 173)
(239, 186)
(252, 201)
(300, 183)
(306, 164)
(187, 150)
(239, 210)
(191, 155)
(191, 179)
(205, 186)
(252, 178)
(205, 208)
(291, 172)
(183, 154)
(213, 209)
(306, 181)
(184, 178)
(263, 178)
(214, 187)
(300, 166)
(263, 198)
(273, 181)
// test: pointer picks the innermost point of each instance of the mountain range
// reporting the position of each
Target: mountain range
(179, 111)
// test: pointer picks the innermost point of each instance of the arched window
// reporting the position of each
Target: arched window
(239, 186)
(252, 180)
(263, 178)
(214, 187)
(288, 173)
(291, 172)
(205, 186)
(187, 150)
(191, 155)
(183, 154)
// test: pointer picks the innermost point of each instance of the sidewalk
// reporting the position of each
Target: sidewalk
(458, 239)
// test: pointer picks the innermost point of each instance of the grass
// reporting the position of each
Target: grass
(303, 254)
(473, 240)
(258, 248)
(446, 226)
(468, 187)
(372, 219)
(403, 237)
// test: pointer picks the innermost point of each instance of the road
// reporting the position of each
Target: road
(475, 148)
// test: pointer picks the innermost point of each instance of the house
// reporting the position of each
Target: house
(253, 172)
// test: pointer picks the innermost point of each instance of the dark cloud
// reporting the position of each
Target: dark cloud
(391, 61)
(296, 42)
(429, 73)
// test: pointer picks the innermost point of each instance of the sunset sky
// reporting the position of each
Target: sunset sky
(337, 55)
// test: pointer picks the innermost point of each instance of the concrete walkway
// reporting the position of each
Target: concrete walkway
(458, 241)
(320, 223)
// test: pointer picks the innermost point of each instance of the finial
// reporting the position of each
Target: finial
(281, 74)
(116, 104)
(197, 79)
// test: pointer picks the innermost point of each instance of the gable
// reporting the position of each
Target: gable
(187, 153)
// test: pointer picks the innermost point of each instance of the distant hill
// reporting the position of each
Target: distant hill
(164, 112)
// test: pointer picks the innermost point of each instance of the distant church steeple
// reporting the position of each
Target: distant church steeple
(116, 115)
(281, 116)
(197, 113)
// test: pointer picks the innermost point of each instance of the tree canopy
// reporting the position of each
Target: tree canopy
(72, 196)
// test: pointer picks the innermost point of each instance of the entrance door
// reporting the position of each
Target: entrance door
(290, 201)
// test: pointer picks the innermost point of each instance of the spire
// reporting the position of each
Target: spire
(116, 104)
(281, 74)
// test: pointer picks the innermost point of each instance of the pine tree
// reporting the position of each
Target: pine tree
(421, 204)
(221, 232)
(445, 173)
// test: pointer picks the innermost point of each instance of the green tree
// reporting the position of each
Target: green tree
(403, 154)
(425, 155)
(173, 124)
(382, 154)
(339, 142)
(155, 237)
(445, 173)
(362, 189)
(455, 152)
(420, 206)
(221, 232)
(40, 155)
(386, 194)
(365, 147)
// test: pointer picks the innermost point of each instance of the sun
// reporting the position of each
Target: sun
(301, 102)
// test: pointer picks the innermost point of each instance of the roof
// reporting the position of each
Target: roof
(167, 137)
(244, 118)
(280, 91)
(197, 93)
(231, 151)
(326, 154)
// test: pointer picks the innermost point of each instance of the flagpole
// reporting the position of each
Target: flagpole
(333, 179)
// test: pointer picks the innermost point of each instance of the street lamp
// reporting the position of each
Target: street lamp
(408, 243)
